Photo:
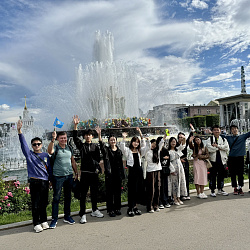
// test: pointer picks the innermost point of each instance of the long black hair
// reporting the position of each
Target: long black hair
(155, 151)
(196, 150)
(169, 143)
(135, 138)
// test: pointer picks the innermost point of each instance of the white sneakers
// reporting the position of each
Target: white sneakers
(202, 196)
(221, 191)
(40, 227)
(45, 225)
(83, 219)
(97, 214)
(213, 195)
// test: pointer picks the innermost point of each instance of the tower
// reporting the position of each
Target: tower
(243, 85)
(27, 121)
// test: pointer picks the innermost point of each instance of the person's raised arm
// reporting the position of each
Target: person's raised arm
(51, 144)
(99, 132)
(76, 139)
(140, 133)
(24, 145)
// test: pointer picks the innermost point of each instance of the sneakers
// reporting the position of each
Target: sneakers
(53, 224)
(45, 225)
(167, 205)
(83, 219)
(69, 220)
(156, 209)
(188, 198)
(161, 207)
(38, 228)
(241, 192)
(202, 196)
(130, 213)
(118, 212)
(181, 203)
(97, 214)
(151, 211)
(213, 194)
(112, 214)
(235, 191)
(137, 211)
(221, 191)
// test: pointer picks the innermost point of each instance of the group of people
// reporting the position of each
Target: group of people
(158, 170)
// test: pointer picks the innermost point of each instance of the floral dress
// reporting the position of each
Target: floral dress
(177, 182)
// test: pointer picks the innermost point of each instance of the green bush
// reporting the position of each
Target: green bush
(200, 121)
(212, 120)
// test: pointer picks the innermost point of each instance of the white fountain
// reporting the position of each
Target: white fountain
(109, 87)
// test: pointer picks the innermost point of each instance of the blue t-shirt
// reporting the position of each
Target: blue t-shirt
(62, 164)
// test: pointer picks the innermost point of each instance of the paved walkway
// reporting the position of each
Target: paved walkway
(214, 223)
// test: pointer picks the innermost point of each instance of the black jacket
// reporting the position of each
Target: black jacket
(107, 154)
(90, 154)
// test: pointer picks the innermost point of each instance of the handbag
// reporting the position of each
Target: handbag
(208, 163)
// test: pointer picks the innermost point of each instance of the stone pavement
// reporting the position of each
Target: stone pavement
(214, 223)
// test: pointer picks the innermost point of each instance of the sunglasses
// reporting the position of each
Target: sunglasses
(36, 144)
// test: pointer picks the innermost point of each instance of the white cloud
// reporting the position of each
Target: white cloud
(199, 4)
(4, 107)
(218, 78)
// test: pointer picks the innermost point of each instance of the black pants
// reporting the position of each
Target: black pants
(186, 171)
(135, 186)
(39, 190)
(236, 167)
(217, 170)
(113, 192)
(164, 190)
(153, 181)
(88, 180)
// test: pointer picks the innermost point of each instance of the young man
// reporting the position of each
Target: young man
(38, 167)
(237, 145)
(64, 164)
(218, 149)
(90, 158)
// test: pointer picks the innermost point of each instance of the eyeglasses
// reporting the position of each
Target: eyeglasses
(36, 144)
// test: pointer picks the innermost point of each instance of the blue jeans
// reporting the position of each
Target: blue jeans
(60, 182)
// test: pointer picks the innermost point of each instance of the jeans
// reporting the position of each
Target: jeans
(217, 170)
(236, 167)
(88, 180)
(39, 199)
(60, 182)
(164, 199)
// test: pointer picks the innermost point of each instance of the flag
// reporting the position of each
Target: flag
(58, 123)
(167, 132)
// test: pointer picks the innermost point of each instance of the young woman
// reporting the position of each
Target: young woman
(200, 153)
(135, 177)
(176, 180)
(153, 180)
(114, 173)
(165, 172)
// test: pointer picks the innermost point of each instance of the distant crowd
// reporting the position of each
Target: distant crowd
(158, 170)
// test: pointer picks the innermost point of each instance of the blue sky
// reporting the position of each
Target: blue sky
(186, 51)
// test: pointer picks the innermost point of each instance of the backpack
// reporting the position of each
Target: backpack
(211, 139)
(53, 156)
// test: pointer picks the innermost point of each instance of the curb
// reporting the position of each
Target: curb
(29, 222)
